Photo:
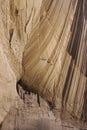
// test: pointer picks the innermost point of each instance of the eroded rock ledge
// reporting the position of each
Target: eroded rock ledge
(29, 114)
(43, 44)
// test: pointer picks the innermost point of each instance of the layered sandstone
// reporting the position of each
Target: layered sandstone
(43, 47)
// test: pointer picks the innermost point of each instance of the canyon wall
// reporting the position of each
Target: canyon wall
(43, 49)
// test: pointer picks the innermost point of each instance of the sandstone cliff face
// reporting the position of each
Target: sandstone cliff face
(43, 47)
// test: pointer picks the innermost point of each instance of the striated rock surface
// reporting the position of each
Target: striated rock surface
(30, 115)
(43, 50)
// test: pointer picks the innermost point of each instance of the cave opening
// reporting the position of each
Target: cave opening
(22, 87)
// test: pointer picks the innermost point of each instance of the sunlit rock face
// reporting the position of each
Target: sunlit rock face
(55, 57)
(43, 48)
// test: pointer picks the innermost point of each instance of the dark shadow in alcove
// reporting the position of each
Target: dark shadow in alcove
(27, 90)
(22, 84)
(0, 126)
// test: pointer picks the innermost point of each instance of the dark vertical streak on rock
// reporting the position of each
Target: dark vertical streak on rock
(0, 126)
(76, 30)
(67, 84)
(84, 112)
(49, 6)
(11, 34)
(85, 10)
(38, 100)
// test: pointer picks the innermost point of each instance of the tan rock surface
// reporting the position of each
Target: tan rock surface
(43, 47)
